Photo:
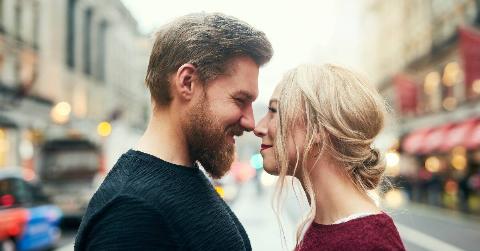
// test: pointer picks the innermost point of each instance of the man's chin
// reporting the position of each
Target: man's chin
(218, 169)
(217, 173)
(216, 176)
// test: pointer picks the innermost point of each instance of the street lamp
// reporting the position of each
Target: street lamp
(60, 113)
(476, 86)
(432, 164)
(256, 161)
(393, 159)
(3, 147)
(104, 129)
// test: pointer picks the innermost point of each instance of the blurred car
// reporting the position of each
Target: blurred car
(28, 221)
(227, 188)
(71, 170)
(230, 186)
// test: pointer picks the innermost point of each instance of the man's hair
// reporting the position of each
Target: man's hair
(206, 40)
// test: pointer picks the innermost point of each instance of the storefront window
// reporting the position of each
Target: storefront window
(476, 87)
(18, 21)
(432, 92)
(1, 15)
(4, 146)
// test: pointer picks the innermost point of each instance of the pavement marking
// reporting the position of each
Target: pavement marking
(423, 240)
(68, 247)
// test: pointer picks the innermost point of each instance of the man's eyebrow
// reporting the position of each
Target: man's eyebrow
(245, 95)
(272, 101)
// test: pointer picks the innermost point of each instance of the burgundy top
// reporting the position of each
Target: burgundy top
(373, 232)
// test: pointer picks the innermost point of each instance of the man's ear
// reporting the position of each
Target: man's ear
(184, 81)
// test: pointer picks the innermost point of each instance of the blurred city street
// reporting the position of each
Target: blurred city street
(73, 99)
(427, 228)
(255, 212)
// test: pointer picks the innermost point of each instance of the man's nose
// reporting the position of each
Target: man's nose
(247, 121)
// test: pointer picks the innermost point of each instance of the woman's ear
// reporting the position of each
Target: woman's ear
(318, 139)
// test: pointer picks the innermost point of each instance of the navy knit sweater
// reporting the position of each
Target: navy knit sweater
(146, 203)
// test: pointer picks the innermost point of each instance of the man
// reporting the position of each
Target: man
(203, 78)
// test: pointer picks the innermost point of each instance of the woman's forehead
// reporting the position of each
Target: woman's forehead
(276, 93)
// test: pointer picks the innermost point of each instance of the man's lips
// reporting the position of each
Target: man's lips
(264, 146)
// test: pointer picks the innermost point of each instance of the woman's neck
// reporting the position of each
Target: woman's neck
(336, 196)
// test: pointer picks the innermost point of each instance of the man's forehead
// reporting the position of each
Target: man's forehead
(241, 78)
(245, 76)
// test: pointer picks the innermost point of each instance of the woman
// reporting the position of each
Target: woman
(321, 123)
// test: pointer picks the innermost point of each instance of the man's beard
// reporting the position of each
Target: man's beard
(208, 142)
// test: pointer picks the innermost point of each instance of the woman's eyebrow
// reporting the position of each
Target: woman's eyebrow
(272, 101)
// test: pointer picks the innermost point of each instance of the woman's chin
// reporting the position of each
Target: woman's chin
(272, 170)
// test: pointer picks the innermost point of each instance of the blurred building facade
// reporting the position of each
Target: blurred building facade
(65, 66)
(425, 56)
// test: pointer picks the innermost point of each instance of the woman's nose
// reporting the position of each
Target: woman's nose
(260, 129)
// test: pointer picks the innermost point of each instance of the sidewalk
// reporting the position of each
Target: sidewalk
(426, 227)
(443, 213)
(68, 247)
(256, 214)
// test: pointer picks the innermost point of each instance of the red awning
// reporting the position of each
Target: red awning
(435, 138)
(413, 142)
(473, 140)
(458, 135)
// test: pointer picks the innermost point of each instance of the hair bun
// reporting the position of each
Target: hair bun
(370, 172)
(373, 159)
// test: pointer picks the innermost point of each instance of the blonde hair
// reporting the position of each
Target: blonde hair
(344, 111)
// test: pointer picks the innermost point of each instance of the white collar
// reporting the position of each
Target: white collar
(352, 217)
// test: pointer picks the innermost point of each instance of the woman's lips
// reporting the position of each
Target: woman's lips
(264, 147)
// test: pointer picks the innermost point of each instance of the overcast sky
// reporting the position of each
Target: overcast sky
(300, 31)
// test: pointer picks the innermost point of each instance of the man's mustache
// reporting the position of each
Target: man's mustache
(237, 131)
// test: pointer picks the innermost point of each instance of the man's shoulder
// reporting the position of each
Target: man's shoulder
(126, 182)
(135, 175)
(121, 217)
(166, 187)
(153, 182)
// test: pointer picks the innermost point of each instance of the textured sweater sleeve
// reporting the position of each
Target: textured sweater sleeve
(128, 223)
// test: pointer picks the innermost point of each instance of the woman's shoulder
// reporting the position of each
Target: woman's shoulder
(371, 232)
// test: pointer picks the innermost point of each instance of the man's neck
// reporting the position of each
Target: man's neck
(164, 139)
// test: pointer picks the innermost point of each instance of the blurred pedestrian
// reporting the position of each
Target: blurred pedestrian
(203, 78)
(464, 193)
(321, 123)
